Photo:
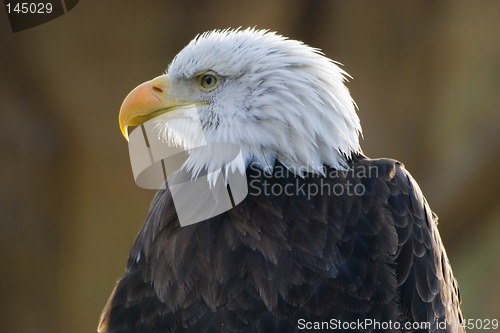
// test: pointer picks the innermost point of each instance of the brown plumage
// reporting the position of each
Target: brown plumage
(275, 262)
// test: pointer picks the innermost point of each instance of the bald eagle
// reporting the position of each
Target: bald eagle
(326, 239)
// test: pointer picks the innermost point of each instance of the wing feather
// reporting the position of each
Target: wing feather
(427, 289)
(273, 260)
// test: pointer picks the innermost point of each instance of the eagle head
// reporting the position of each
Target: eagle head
(276, 98)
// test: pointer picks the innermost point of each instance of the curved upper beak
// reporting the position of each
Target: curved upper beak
(145, 102)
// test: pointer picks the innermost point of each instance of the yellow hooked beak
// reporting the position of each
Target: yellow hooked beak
(146, 101)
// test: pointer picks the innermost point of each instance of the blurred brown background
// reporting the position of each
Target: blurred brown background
(426, 80)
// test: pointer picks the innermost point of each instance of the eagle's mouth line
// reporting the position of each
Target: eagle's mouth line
(141, 119)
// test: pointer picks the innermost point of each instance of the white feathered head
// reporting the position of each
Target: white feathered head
(276, 98)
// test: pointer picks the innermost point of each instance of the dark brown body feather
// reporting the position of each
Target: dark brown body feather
(277, 259)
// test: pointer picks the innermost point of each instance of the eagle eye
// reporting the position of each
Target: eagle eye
(208, 81)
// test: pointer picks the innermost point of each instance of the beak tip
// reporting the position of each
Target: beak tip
(124, 130)
(125, 134)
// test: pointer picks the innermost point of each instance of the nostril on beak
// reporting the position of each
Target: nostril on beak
(157, 89)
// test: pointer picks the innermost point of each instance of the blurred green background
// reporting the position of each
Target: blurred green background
(426, 80)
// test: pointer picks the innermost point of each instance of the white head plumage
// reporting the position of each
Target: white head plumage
(276, 98)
